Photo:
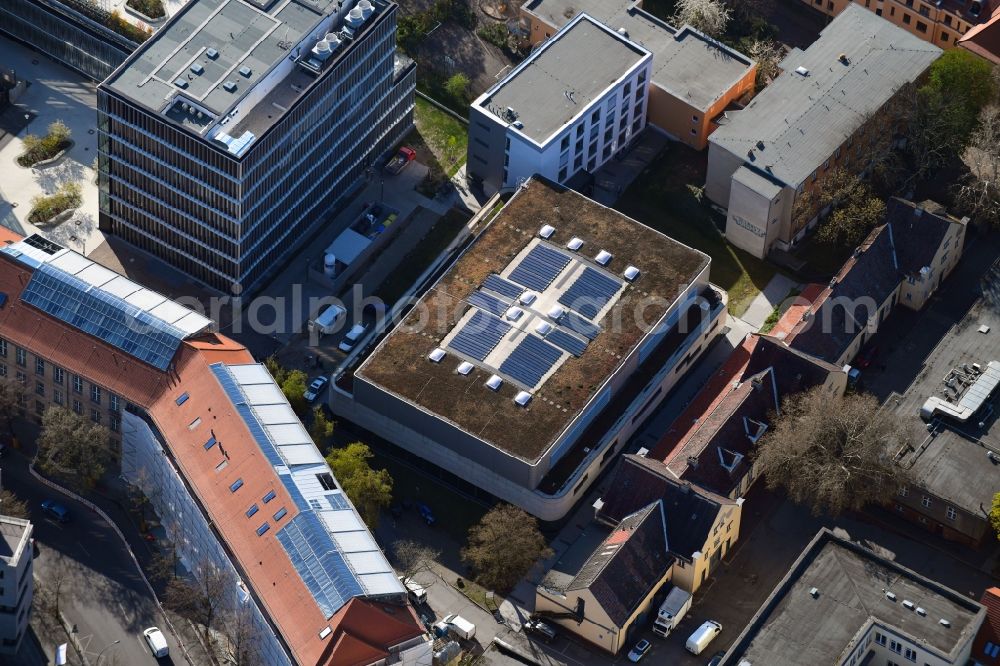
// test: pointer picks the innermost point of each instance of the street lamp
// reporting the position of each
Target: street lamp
(101, 653)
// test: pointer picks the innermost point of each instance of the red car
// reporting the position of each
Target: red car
(401, 159)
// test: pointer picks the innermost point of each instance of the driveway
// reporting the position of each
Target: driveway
(103, 595)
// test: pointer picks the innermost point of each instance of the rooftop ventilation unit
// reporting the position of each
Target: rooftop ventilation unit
(494, 382)
(245, 71)
(944, 623)
(814, 592)
(197, 68)
(514, 313)
(355, 18)
(631, 273)
(523, 398)
(436, 355)
(464, 368)
(844, 59)
(543, 327)
(574, 243)
(556, 312)
(546, 231)
(322, 50)
(211, 54)
(367, 8)
(891, 596)
(908, 604)
(181, 83)
(802, 71)
(603, 257)
(518, 124)
(528, 297)
(229, 86)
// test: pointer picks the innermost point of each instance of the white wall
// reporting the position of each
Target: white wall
(16, 586)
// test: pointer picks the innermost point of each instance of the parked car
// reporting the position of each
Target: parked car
(156, 641)
(315, 388)
(539, 628)
(702, 636)
(866, 357)
(400, 160)
(55, 511)
(636, 654)
(717, 658)
(426, 513)
(352, 337)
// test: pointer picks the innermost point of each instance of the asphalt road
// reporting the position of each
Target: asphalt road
(102, 594)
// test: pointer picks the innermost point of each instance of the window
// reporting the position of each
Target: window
(880, 638)
(39, 388)
(921, 26)
(236, 485)
(180, 400)
(947, 20)
(926, 501)
(116, 423)
(22, 378)
(57, 375)
(269, 496)
(596, 116)
(910, 654)
(39, 407)
(95, 394)
(22, 356)
(991, 649)
(95, 415)
(564, 144)
(39, 366)
(77, 384)
(263, 528)
(252, 510)
(3, 348)
(3, 369)
(907, 19)
(562, 174)
(280, 513)
(210, 443)
(896, 647)
(904, 491)
(57, 396)
(951, 513)
(579, 130)
(115, 402)
(77, 406)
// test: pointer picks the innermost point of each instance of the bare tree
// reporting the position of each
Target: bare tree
(833, 454)
(709, 16)
(503, 547)
(163, 566)
(768, 54)
(412, 557)
(979, 194)
(52, 583)
(201, 597)
(242, 646)
(11, 505)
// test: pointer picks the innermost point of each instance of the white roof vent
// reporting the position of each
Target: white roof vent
(603, 257)
(814, 592)
(494, 382)
(212, 54)
(556, 312)
(921, 612)
(543, 327)
(197, 68)
(891, 596)
(464, 368)
(181, 83)
(436, 355)
(523, 398)
(245, 71)
(229, 86)
(326, 632)
(514, 313)
(908, 604)
(546, 231)
(574, 243)
(528, 297)
(631, 273)
(802, 71)
(944, 623)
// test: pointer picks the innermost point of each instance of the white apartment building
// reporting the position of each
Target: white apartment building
(569, 107)
(16, 584)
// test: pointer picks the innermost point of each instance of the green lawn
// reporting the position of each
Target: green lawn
(438, 136)
(661, 198)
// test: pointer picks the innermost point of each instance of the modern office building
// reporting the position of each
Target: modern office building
(16, 583)
(209, 438)
(940, 22)
(695, 78)
(825, 110)
(527, 366)
(230, 133)
(846, 605)
(569, 107)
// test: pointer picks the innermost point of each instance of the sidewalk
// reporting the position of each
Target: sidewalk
(771, 296)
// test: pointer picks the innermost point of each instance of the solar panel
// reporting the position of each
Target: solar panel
(488, 302)
(566, 341)
(479, 336)
(590, 292)
(503, 287)
(530, 360)
(103, 315)
(578, 324)
(539, 267)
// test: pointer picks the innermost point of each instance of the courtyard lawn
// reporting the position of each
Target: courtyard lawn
(664, 198)
(441, 141)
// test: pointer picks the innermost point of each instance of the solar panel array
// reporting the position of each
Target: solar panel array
(480, 334)
(503, 287)
(539, 267)
(590, 292)
(488, 302)
(530, 360)
(566, 341)
(103, 315)
(578, 324)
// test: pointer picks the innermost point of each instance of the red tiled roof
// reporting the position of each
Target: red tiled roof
(365, 628)
(793, 315)
(990, 631)
(8, 236)
(984, 39)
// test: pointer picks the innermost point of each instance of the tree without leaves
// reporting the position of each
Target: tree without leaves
(73, 445)
(833, 454)
(768, 54)
(411, 557)
(979, 193)
(58, 570)
(200, 598)
(242, 646)
(709, 16)
(369, 490)
(503, 547)
(855, 210)
(11, 505)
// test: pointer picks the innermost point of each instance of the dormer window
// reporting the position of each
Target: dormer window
(754, 429)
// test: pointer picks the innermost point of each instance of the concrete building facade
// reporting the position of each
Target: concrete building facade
(554, 115)
(826, 110)
(221, 148)
(16, 582)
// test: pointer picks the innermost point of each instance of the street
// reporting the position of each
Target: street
(102, 594)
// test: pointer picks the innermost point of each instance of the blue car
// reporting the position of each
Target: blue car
(426, 513)
(56, 511)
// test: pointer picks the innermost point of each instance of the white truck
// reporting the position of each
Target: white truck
(416, 591)
(457, 625)
(328, 320)
(672, 610)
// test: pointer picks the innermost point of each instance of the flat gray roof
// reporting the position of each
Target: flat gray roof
(560, 12)
(562, 78)
(12, 538)
(953, 465)
(794, 628)
(802, 120)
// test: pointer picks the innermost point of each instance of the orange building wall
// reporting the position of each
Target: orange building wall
(938, 31)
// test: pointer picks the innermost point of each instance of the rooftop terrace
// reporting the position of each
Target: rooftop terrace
(581, 347)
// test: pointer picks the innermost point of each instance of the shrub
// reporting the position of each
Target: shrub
(126, 29)
(494, 33)
(37, 149)
(151, 8)
(457, 88)
(46, 207)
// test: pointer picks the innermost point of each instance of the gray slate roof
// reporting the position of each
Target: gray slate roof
(802, 120)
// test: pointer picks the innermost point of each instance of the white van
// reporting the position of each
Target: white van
(702, 636)
(352, 337)
(416, 592)
(156, 642)
(328, 320)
